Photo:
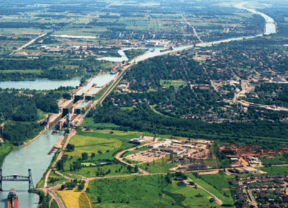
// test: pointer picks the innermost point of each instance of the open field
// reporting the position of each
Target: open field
(219, 181)
(32, 71)
(70, 198)
(88, 122)
(158, 166)
(174, 83)
(148, 191)
(210, 188)
(275, 170)
(104, 145)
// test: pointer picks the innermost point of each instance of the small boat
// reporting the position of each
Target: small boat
(12, 199)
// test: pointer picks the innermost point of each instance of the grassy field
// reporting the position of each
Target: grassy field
(219, 182)
(274, 170)
(276, 160)
(210, 188)
(28, 71)
(4, 150)
(89, 122)
(142, 192)
(105, 146)
(70, 198)
(41, 114)
(174, 83)
(55, 179)
(158, 166)
(84, 201)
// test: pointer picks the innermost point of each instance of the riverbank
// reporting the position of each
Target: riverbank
(5, 149)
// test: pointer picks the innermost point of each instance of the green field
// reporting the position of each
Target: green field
(276, 160)
(275, 170)
(174, 83)
(210, 188)
(41, 114)
(158, 166)
(219, 182)
(4, 150)
(145, 191)
(28, 71)
(105, 145)
(89, 122)
(55, 179)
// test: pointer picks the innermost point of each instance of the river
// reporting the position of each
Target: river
(35, 155)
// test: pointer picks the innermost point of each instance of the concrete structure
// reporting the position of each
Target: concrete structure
(136, 141)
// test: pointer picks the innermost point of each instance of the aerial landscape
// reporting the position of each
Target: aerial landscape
(125, 104)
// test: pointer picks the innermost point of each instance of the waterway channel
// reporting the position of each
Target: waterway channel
(18, 162)
(35, 155)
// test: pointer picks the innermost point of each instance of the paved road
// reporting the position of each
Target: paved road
(56, 198)
(29, 43)
(194, 30)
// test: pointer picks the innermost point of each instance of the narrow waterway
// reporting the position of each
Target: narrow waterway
(34, 156)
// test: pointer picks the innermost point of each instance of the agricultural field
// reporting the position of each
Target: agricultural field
(74, 199)
(145, 191)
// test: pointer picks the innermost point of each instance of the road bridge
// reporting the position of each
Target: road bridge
(15, 178)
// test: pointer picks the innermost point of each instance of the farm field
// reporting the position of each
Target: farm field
(70, 198)
(146, 191)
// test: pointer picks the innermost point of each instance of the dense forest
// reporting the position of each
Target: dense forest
(19, 112)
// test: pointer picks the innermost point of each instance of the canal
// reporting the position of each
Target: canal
(34, 156)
